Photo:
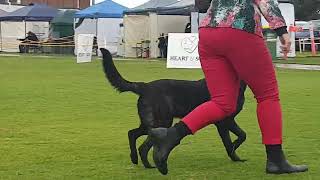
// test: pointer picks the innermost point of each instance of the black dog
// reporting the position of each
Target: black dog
(162, 100)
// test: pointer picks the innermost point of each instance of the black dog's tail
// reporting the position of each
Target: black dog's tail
(114, 77)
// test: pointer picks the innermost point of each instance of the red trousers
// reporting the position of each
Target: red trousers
(228, 55)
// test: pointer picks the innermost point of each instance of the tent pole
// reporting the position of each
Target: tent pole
(1, 33)
(74, 24)
(97, 28)
(25, 28)
(97, 35)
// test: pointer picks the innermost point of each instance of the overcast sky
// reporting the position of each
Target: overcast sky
(128, 3)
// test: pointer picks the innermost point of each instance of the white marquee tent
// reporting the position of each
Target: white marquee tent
(148, 21)
(13, 30)
(103, 20)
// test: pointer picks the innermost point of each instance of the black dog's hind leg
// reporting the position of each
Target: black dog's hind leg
(144, 150)
(224, 132)
(235, 129)
(133, 135)
(226, 139)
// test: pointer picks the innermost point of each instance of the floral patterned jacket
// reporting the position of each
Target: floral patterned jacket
(245, 15)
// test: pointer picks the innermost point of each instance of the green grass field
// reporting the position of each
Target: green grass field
(61, 120)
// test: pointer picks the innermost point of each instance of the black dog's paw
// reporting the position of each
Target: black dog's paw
(149, 167)
(146, 163)
(242, 160)
(234, 157)
(134, 158)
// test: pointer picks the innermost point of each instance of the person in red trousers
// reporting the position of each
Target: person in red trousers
(231, 47)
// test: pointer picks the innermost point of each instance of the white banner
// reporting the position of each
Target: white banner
(85, 45)
(183, 50)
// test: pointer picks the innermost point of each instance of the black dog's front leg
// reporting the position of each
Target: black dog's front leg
(133, 135)
(144, 150)
(235, 129)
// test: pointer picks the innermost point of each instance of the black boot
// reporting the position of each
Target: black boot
(164, 140)
(277, 163)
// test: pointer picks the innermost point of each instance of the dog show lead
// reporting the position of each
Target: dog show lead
(224, 64)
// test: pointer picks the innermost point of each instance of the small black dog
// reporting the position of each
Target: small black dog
(162, 100)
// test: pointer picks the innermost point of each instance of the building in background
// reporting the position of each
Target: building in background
(61, 4)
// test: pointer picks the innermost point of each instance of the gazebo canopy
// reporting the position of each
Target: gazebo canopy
(105, 9)
(32, 12)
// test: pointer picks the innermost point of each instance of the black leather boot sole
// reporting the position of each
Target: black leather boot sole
(284, 167)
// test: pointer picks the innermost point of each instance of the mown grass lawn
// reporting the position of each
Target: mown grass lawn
(61, 120)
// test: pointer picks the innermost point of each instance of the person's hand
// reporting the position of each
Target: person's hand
(285, 44)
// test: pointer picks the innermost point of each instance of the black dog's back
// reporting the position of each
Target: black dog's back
(180, 95)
